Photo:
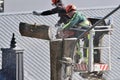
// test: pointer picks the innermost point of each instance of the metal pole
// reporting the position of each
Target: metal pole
(109, 63)
(91, 50)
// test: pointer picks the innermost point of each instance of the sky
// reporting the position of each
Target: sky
(41, 5)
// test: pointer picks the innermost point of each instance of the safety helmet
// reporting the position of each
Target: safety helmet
(54, 1)
(70, 7)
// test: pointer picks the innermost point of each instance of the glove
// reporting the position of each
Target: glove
(36, 13)
(57, 25)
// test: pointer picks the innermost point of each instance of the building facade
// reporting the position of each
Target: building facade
(37, 52)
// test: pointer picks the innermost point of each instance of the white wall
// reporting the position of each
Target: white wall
(26, 5)
(30, 5)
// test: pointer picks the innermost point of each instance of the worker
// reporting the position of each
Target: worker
(59, 8)
(78, 20)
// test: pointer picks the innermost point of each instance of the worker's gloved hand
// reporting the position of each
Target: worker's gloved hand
(36, 13)
(57, 25)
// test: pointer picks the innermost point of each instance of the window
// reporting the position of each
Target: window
(1, 5)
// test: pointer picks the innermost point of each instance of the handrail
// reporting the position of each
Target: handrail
(98, 22)
(86, 32)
